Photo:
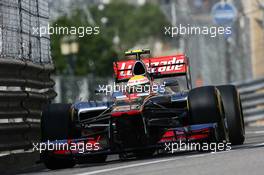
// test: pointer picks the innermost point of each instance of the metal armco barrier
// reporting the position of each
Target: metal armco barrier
(252, 97)
(25, 88)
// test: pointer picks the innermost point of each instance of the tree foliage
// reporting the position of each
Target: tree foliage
(132, 24)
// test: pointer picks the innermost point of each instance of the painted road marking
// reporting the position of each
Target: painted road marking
(254, 132)
(141, 164)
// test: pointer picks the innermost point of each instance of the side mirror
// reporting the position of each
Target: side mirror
(171, 83)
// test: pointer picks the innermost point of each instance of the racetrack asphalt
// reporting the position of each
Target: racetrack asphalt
(240, 160)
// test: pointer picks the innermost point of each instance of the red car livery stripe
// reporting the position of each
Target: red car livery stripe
(167, 65)
(128, 113)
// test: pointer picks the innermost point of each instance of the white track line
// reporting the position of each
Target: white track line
(254, 132)
(139, 164)
(259, 144)
(157, 161)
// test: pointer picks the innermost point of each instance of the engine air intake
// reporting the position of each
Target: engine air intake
(139, 68)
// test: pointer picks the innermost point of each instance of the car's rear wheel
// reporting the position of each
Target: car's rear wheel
(234, 113)
(205, 106)
(56, 125)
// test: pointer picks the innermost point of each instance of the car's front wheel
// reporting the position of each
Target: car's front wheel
(56, 125)
(205, 106)
(234, 113)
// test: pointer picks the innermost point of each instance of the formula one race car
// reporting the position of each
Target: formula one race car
(155, 104)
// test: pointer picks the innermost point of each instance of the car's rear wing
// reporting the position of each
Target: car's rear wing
(158, 67)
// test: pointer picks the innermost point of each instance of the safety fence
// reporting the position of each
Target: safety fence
(252, 97)
(25, 68)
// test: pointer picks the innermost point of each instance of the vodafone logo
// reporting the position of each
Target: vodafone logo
(165, 66)
(125, 66)
(162, 65)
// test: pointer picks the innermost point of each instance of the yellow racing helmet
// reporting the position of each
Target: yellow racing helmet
(138, 80)
(137, 83)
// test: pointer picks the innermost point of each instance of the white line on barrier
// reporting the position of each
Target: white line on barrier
(11, 120)
(19, 120)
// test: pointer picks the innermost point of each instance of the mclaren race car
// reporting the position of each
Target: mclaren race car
(155, 105)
